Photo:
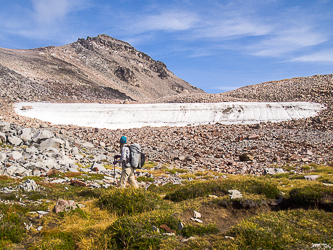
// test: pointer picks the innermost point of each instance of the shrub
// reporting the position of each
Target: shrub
(202, 189)
(163, 189)
(294, 229)
(12, 223)
(310, 194)
(199, 230)
(136, 232)
(130, 201)
(145, 179)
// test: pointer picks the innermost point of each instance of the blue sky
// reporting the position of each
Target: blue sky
(214, 45)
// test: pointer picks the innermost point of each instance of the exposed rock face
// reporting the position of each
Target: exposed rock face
(96, 69)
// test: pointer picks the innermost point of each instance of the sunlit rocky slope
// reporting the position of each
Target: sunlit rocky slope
(94, 69)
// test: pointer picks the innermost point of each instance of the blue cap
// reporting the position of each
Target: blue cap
(123, 140)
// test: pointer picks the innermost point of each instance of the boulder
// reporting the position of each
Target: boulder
(87, 145)
(50, 163)
(73, 170)
(97, 167)
(166, 228)
(235, 194)
(246, 157)
(52, 172)
(32, 150)
(64, 205)
(196, 214)
(52, 143)
(253, 137)
(14, 140)
(4, 127)
(273, 171)
(311, 177)
(15, 155)
(29, 185)
(78, 183)
(26, 107)
(3, 157)
(42, 135)
(2, 137)
(26, 135)
(22, 171)
(10, 170)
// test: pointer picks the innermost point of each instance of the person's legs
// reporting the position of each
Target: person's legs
(131, 178)
(124, 176)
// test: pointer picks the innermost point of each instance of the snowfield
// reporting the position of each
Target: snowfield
(124, 116)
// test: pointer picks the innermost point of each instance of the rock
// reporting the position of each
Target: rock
(2, 138)
(311, 177)
(180, 226)
(52, 172)
(64, 205)
(42, 135)
(32, 150)
(197, 220)
(26, 134)
(97, 167)
(10, 170)
(26, 107)
(21, 171)
(42, 212)
(87, 145)
(235, 194)
(246, 204)
(4, 127)
(52, 142)
(190, 238)
(273, 171)
(29, 185)
(78, 183)
(50, 163)
(196, 214)
(213, 196)
(14, 140)
(15, 155)
(321, 246)
(3, 157)
(166, 228)
(246, 157)
(58, 181)
(253, 137)
(155, 229)
(73, 170)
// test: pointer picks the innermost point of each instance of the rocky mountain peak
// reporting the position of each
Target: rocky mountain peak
(95, 69)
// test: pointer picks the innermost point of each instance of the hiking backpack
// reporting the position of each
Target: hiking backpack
(137, 158)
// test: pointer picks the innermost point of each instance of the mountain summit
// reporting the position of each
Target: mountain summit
(95, 68)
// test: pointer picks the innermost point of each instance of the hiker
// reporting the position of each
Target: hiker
(127, 170)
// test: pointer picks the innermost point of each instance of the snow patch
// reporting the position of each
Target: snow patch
(125, 116)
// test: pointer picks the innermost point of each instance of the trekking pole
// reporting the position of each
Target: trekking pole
(114, 168)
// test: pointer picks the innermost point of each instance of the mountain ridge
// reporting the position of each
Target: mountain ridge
(112, 68)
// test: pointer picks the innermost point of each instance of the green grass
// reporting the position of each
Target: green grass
(136, 232)
(310, 194)
(296, 229)
(124, 218)
(131, 201)
(221, 187)
(145, 179)
(12, 228)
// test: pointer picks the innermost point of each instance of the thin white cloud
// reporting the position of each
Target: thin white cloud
(166, 21)
(322, 56)
(286, 41)
(233, 27)
(49, 11)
